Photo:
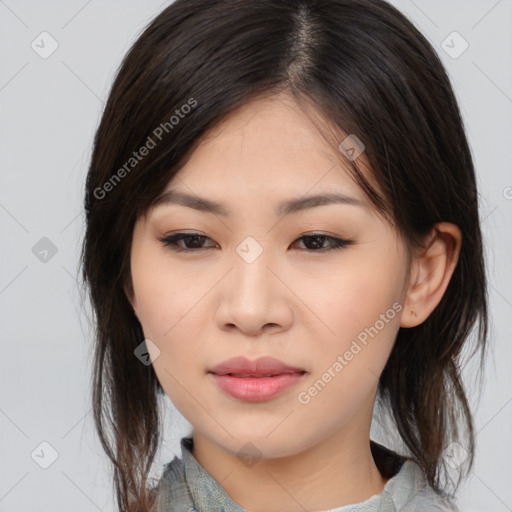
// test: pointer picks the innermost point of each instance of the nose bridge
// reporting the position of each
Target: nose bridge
(251, 263)
(251, 296)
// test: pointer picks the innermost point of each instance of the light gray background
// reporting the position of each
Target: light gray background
(49, 111)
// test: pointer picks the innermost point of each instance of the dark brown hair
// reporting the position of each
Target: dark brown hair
(366, 70)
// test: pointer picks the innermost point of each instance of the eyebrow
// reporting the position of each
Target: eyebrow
(283, 208)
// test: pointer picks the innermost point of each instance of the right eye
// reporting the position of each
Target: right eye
(191, 242)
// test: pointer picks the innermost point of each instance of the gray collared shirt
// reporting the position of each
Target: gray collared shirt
(186, 486)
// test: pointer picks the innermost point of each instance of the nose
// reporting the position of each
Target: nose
(255, 297)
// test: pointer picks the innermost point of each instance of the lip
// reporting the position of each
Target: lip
(261, 366)
(249, 381)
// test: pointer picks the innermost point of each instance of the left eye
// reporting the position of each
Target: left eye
(319, 238)
(193, 242)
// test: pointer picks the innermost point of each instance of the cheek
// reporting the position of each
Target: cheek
(355, 297)
(347, 370)
(164, 306)
(163, 297)
(360, 306)
(169, 305)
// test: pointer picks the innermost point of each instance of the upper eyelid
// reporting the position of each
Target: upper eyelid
(180, 235)
(196, 233)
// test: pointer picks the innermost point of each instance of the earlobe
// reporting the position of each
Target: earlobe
(430, 273)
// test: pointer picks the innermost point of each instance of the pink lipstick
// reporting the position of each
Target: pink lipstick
(255, 381)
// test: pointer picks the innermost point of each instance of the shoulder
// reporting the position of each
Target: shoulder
(413, 494)
(430, 502)
(171, 492)
(407, 487)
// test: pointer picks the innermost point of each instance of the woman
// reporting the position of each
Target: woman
(282, 228)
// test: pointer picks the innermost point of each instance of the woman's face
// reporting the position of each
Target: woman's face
(255, 285)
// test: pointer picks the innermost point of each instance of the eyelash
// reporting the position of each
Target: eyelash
(172, 240)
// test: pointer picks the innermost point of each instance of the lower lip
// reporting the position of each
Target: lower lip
(256, 389)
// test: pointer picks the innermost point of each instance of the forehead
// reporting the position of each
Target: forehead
(269, 144)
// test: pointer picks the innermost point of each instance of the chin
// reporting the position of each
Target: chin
(259, 446)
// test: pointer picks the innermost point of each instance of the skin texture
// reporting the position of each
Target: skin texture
(297, 305)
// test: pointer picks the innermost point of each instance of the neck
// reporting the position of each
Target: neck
(319, 478)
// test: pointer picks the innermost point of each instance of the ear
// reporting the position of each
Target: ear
(430, 272)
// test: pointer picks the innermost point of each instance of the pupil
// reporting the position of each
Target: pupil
(317, 241)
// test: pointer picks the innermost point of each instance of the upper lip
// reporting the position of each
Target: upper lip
(260, 366)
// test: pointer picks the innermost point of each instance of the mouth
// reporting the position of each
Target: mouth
(259, 368)
(259, 380)
(252, 388)
(259, 375)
